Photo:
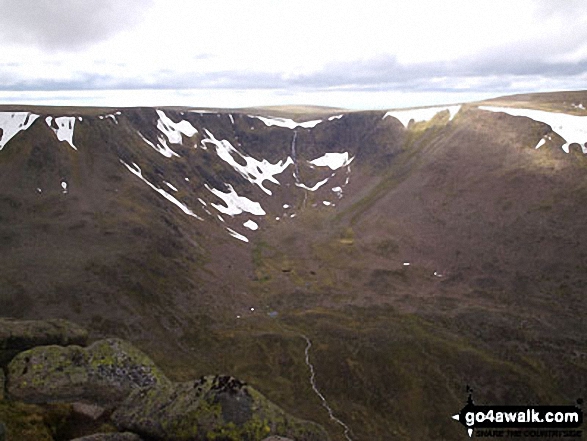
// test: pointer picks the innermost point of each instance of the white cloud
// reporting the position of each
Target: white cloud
(294, 48)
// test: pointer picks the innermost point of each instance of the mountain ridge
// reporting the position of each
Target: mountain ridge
(448, 238)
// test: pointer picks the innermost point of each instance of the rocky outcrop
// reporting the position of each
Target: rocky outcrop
(20, 335)
(125, 436)
(113, 376)
(214, 407)
(104, 373)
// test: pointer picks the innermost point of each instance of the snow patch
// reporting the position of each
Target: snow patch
(235, 204)
(64, 130)
(239, 237)
(333, 160)
(13, 122)
(337, 191)
(255, 171)
(136, 170)
(572, 128)
(172, 130)
(286, 206)
(332, 118)
(540, 143)
(328, 204)
(64, 187)
(286, 122)
(251, 225)
(164, 150)
(405, 116)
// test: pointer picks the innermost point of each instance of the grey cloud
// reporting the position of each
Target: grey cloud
(66, 24)
(497, 68)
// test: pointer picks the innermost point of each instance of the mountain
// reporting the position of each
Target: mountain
(359, 268)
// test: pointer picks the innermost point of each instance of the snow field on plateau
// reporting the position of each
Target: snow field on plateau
(572, 128)
(287, 123)
(405, 116)
(13, 122)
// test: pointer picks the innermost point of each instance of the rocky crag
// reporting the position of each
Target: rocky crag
(54, 386)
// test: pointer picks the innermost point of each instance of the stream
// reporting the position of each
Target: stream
(347, 430)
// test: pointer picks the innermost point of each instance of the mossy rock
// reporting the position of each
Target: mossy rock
(125, 436)
(20, 335)
(211, 408)
(32, 422)
(103, 373)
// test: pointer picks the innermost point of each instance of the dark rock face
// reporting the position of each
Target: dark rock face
(125, 436)
(103, 373)
(212, 407)
(19, 335)
(2, 384)
(26, 334)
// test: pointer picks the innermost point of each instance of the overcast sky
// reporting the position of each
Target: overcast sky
(226, 53)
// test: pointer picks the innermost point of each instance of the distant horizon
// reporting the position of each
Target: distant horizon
(229, 99)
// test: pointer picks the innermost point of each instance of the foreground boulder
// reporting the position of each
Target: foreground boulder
(103, 373)
(214, 407)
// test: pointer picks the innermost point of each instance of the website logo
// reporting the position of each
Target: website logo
(536, 421)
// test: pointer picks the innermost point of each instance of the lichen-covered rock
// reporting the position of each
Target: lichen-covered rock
(214, 407)
(103, 373)
(125, 436)
(21, 335)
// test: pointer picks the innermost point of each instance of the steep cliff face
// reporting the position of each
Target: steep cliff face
(215, 239)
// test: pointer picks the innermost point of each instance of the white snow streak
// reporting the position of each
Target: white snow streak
(286, 122)
(255, 171)
(405, 116)
(239, 237)
(235, 204)
(13, 122)
(136, 170)
(164, 150)
(333, 160)
(572, 128)
(64, 130)
(315, 187)
(332, 118)
(170, 185)
(251, 225)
